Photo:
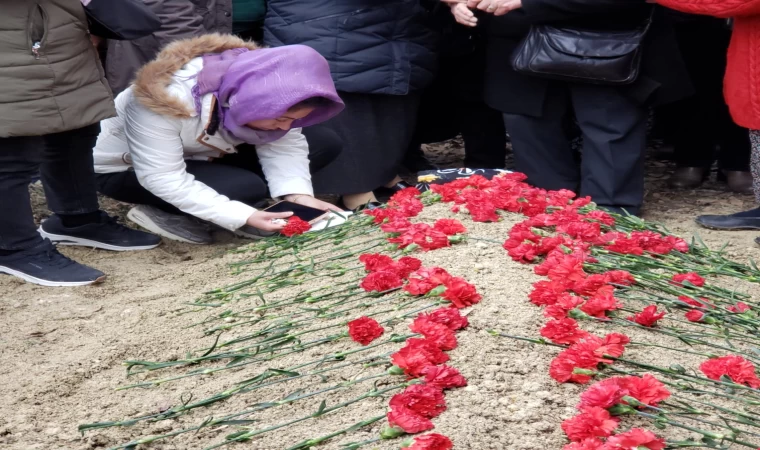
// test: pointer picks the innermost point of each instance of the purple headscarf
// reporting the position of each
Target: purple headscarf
(264, 84)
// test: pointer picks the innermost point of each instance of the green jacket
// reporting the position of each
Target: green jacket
(51, 79)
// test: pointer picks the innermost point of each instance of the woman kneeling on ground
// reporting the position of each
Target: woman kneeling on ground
(211, 129)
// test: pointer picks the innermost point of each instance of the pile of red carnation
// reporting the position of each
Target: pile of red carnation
(421, 358)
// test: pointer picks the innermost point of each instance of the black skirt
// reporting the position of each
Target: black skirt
(376, 131)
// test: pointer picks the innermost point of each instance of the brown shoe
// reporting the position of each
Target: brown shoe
(687, 177)
(739, 182)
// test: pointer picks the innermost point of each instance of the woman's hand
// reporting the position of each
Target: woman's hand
(463, 15)
(268, 221)
(308, 200)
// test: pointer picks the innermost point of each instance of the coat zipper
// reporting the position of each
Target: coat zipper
(37, 42)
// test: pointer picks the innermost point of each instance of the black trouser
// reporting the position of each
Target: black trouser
(614, 142)
(64, 162)
(238, 176)
(700, 123)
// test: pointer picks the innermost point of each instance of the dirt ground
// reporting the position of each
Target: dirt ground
(62, 349)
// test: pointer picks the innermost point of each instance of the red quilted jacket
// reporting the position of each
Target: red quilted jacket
(742, 83)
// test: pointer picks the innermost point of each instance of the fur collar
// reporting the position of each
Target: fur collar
(151, 82)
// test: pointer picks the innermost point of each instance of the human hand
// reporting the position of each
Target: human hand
(268, 221)
(96, 40)
(311, 202)
(463, 15)
(498, 7)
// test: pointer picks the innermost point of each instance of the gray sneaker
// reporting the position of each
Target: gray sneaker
(170, 226)
(250, 232)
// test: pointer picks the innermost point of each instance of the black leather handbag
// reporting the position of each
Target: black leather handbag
(588, 56)
(121, 19)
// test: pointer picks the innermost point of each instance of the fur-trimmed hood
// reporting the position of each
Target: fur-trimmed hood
(152, 81)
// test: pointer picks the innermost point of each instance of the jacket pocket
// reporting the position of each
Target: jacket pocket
(37, 29)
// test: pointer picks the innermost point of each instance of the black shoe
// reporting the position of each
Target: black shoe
(384, 193)
(757, 241)
(747, 220)
(44, 265)
(107, 234)
(688, 177)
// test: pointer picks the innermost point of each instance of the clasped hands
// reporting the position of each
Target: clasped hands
(462, 9)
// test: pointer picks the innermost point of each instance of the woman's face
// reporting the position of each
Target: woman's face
(283, 122)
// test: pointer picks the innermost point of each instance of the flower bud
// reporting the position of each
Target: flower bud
(391, 432)
(395, 370)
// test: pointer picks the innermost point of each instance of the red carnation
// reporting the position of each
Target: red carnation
(295, 226)
(396, 225)
(648, 317)
(409, 421)
(425, 280)
(431, 441)
(739, 308)
(546, 293)
(619, 277)
(592, 423)
(604, 394)
(590, 285)
(694, 315)
(522, 252)
(600, 303)
(434, 332)
(646, 389)
(422, 399)
(701, 303)
(612, 345)
(563, 331)
(691, 277)
(418, 354)
(677, 243)
(364, 330)
(443, 377)
(451, 317)
(565, 303)
(635, 439)
(381, 281)
(735, 367)
(449, 227)
(625, 246)
(601, 217)
(586, 444)
(461, 293)
(374, 262)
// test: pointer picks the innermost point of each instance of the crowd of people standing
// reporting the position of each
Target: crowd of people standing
(228, 103)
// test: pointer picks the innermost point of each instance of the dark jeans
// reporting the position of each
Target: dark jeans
(64, 162)
(238, 176)
(614, 142)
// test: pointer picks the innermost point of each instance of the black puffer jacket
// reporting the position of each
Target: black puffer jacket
(373, 47)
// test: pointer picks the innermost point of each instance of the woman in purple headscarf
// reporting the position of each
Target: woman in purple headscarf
(212, 128)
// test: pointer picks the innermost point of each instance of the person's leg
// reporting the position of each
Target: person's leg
(485, 141)
(614, 144)
(542, 151)
(324, 146)
(68, 176)
(23, 252)
(754, 136)
(20, 159)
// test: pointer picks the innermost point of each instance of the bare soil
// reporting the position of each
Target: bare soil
(62, 349)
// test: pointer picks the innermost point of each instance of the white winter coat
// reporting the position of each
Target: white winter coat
(157, 129)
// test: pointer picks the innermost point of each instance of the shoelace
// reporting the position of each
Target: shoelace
(55, 258)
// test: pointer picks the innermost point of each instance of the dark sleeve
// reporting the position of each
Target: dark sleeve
(179, 20)
(558, 10)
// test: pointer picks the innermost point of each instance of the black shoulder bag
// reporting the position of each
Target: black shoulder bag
(588, 56)
(122, 20)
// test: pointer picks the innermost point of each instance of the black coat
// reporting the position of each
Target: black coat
(373, 47)
(663, 77)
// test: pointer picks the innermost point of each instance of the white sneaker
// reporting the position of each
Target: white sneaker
(171, 226)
